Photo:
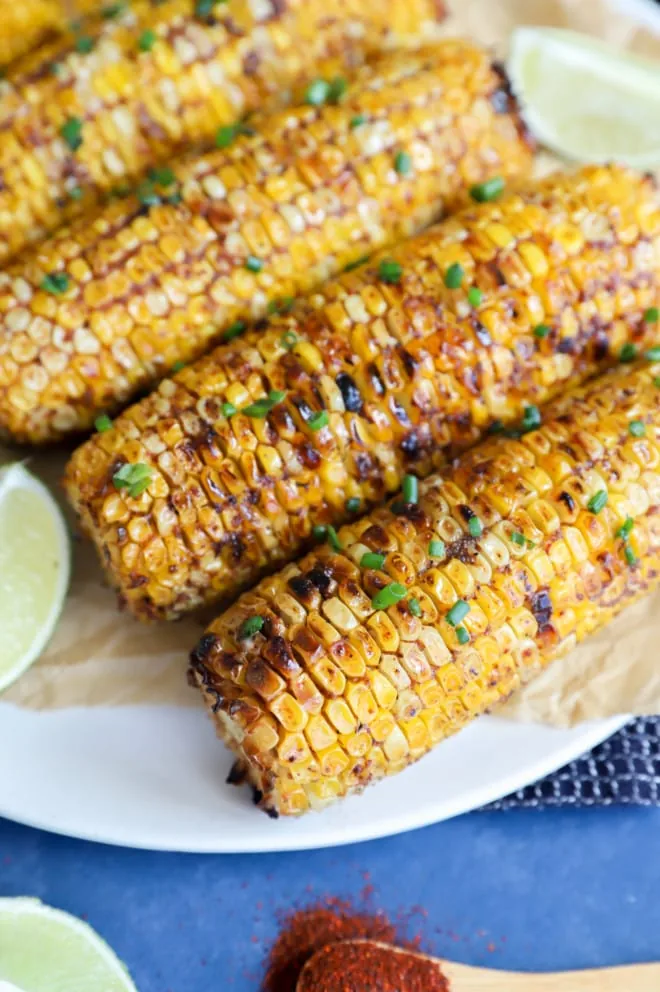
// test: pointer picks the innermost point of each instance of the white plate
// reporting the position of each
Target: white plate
(154, 777)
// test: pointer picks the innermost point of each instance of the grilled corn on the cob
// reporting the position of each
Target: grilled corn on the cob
(149, 286)
(353, 663)
(156, 79)
(226, 469)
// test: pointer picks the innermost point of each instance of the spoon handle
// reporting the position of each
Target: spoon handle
(632, 978)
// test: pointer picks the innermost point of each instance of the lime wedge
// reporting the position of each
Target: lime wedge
(587, 100)
(34, 569)
(46, 950)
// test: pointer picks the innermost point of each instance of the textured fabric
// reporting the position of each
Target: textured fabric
(623, 769)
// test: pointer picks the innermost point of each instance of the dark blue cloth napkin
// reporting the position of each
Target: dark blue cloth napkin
(623, 769)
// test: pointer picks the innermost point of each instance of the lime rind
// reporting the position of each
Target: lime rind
(46, 519)
(584, 99)
(48, 950)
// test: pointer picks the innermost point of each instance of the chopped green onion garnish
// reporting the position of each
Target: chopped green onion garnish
(261, 408)
(475, 527)
(317, 93)
(228, 409)
(204, 8)
(112, 10)
(226, 135)
(519, 539)
(357, 120)
(625, 529)
(281, 305)
(597, 501)
(250, 627)
(630, 555)
(410, 488)
(489, 190)
(651, 315)
(353, 504)
(541, 331)
(388, 596)
(437, 549)
(56, 68)
(147, 40)
(84, 44)
(234, 330)
(531, 419)
(653, 354)
(162, 175)
(637, 428)
(147, 194)
(117, 192)
(656, 382)
(319, 420)
(75, 193)
(71, 132)
(253, 264)
(462, 635)
(55, 282)
(333, 538)
(415, 607)
(628, 353)
(389, 270)
(103, 423)
(177, 367)
(338, 87)
(402, 163)
(289, 340)
(319, 532)
(458, 612)
(356, 264)
(475, 296)
(134, 478)
(454, 276)
(371, 559)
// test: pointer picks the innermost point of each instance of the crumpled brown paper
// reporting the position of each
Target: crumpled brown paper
(101, 657)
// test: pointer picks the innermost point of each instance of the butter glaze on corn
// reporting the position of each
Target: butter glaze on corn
(311, 192)
(160, 79)
(408, 373)
(333, 694)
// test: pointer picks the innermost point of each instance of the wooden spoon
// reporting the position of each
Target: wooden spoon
(334, 960)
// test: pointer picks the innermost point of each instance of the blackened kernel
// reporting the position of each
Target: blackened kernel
(350, 393)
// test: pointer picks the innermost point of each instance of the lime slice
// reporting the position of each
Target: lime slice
(587, 100)
(34, 569)
(46, 950)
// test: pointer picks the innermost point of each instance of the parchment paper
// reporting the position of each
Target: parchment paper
(101, 657)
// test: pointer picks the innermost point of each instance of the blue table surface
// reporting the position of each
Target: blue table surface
(522, 890)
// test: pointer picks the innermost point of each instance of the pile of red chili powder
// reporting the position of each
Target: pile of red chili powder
(305, 931)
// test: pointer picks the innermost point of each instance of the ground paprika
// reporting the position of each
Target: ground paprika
(305, 931)
(370, 968)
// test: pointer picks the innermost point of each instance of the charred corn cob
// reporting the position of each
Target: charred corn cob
(355, 662)
(227, 468)
(147, 286)
(155, 80)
